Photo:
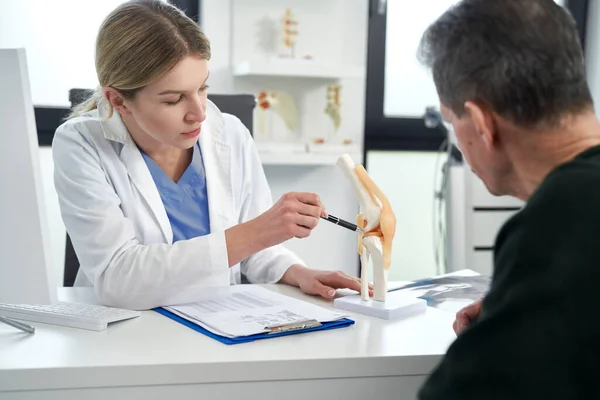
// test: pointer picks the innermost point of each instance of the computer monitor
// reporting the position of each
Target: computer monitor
(25, 258)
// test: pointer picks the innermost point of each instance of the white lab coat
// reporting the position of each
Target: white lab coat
(119, 227)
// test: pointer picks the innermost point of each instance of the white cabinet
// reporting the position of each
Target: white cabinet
(486, 224)
(482, 261)
(473, 217)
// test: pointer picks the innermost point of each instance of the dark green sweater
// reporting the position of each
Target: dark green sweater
(538, 336)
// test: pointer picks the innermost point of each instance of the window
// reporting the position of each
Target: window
(406, 22)
(398, 87)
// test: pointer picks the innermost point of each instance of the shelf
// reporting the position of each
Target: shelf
(338, 149)
(298, 69)
(308, 159)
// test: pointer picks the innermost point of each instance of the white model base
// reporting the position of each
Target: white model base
(397, 305)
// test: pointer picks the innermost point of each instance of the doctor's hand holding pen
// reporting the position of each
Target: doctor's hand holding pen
(294, 215)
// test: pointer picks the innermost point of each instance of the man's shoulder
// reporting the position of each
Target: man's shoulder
(580, 176)
(571, 189)
(562, 215)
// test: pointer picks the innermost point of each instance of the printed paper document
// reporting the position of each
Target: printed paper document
(242, 310)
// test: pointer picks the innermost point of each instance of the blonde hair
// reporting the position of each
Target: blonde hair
(141, 41)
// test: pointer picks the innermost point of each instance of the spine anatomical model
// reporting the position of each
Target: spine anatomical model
(290, 31)
(378, 222)
(333, 105)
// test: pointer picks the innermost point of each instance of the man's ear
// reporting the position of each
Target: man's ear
(116, 100)
(484, 122)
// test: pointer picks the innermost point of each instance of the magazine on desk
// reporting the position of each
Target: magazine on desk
(252, 311)
(449, 292)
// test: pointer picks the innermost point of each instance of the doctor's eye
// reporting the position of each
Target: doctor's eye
(204, 88)
(172, 103)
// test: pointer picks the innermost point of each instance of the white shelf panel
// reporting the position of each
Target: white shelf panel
(298, 69)
(308, 159)
(339, 149)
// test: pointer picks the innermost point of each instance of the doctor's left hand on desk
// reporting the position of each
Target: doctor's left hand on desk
(321, 283)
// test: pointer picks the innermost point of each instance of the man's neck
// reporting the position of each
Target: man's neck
(537, 153)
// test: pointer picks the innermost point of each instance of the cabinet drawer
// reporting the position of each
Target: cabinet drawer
(486, 225)
(482, 261)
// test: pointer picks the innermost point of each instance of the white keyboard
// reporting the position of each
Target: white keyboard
(74, 315)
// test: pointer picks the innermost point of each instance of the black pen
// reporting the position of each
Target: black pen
(343, 223)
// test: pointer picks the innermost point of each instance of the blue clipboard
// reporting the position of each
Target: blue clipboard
(245, 339)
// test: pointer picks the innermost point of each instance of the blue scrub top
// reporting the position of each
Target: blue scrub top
(186, 201)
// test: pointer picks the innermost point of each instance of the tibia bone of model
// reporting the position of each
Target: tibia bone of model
(374, 248)
(369, 207)
(364, 273)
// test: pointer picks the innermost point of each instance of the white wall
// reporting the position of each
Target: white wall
(59, 37)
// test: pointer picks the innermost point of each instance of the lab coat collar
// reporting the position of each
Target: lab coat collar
(216, 156)
(114, 129)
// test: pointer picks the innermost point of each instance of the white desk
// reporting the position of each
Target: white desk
(153, 357)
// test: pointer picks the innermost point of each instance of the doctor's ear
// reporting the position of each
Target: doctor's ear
(116, 100)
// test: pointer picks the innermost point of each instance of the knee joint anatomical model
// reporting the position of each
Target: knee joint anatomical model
(378, 222)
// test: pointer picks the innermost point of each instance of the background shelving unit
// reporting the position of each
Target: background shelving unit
(325, 53)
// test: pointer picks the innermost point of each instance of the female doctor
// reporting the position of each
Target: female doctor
(161, 193)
